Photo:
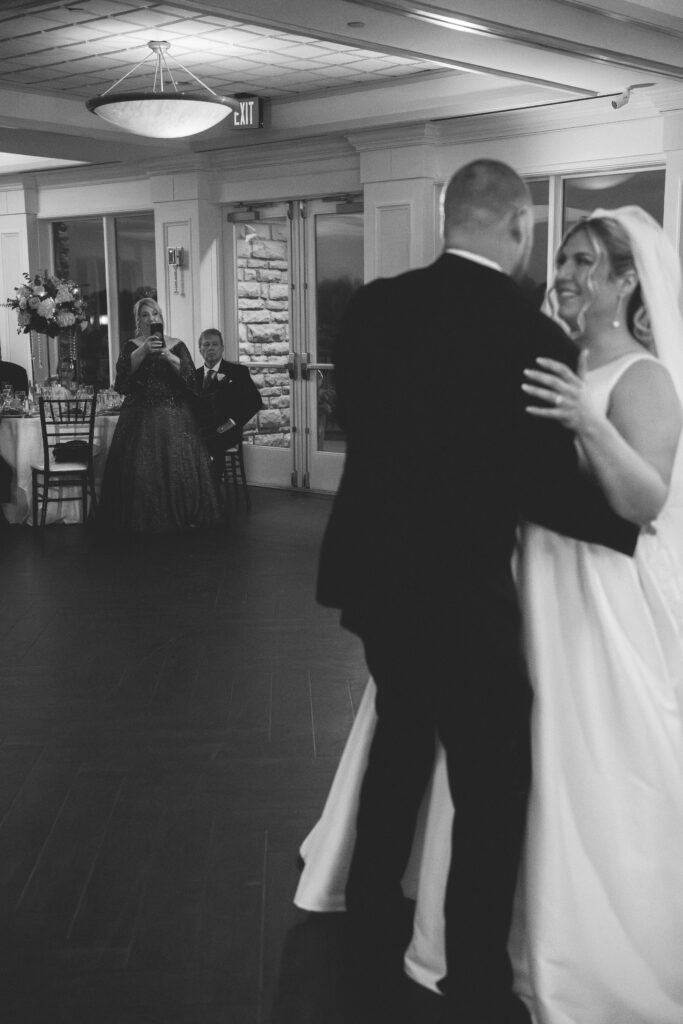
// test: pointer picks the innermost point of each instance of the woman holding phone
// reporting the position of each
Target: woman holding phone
(158, 475)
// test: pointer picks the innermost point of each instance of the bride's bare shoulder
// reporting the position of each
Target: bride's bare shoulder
(644, 399)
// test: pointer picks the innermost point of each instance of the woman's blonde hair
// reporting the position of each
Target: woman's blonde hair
(146, 302)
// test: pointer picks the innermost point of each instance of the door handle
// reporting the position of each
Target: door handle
(305, 360)
(292, 368)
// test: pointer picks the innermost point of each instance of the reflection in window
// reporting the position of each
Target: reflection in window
(607, 191)
(135, 267)
(78, 252)
(339, 273)
(78, 248)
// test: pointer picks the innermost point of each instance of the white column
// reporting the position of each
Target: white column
(400, 198)
(18, 253)
(187, 218)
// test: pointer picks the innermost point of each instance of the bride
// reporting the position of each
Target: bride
(597, 935)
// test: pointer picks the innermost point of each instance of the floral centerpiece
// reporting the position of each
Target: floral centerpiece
(48, 305)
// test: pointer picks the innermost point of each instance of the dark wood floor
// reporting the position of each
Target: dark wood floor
(171, 715)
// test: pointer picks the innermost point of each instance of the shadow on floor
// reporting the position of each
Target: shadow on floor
(314, 986)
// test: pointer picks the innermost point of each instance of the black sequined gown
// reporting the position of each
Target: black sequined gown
(158, 476)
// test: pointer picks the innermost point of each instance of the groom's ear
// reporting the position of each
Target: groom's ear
(520, 223)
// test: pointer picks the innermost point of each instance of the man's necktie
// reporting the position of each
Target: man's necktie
(209, 378)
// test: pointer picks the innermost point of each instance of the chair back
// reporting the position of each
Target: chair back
(67, 419)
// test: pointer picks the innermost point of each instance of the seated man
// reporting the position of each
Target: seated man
(14, 374)
(228, 397)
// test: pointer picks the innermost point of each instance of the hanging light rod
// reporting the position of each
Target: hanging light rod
(164, 112)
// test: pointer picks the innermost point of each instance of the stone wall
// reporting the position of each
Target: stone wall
(263, 317)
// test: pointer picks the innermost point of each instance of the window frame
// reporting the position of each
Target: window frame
(111, 276)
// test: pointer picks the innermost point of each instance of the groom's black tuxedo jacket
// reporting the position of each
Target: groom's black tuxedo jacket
(442, 460)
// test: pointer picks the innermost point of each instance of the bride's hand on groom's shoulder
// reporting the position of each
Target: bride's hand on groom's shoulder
(563, 393)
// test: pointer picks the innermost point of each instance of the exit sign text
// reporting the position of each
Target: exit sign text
(249, 113)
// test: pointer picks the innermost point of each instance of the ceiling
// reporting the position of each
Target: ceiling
(323, 66)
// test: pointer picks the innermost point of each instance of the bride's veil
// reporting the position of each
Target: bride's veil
(659, 272)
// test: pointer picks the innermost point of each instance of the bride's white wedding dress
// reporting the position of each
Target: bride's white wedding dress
(598, 929)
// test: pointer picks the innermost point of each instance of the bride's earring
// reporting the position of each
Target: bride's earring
(616, 322)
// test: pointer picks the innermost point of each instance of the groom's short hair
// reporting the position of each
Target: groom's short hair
(481, 193)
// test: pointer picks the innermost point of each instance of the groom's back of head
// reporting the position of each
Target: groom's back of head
(484, 205)
(482, 192)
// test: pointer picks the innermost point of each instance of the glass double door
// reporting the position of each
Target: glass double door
(293, 267)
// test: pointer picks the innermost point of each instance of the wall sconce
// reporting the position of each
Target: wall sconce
(175, 259)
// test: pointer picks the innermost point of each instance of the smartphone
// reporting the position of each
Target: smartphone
(157, 328)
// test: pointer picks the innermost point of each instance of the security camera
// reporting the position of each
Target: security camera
(623, 97)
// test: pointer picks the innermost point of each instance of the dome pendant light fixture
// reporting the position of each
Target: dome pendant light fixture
(163, 112)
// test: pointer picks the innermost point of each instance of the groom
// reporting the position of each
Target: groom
(442, 463)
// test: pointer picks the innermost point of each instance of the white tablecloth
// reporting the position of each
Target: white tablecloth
(21, 445)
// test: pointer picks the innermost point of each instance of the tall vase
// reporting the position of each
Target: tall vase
(40, 357)
(67, 361)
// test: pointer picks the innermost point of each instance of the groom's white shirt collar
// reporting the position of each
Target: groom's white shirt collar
(476, 258)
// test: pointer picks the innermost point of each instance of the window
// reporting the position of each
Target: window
(582, 195)
(135, 267)
(110, 286)
(78, 253)
(339, 273)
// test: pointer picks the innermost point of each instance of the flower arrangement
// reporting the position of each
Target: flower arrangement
(48, 305)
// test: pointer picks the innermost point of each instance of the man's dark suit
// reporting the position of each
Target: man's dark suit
(236, 397)
(14, 374)
(442, 463)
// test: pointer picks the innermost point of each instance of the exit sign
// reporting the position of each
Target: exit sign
(249, 113)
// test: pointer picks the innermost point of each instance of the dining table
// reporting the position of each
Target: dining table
(21, 446)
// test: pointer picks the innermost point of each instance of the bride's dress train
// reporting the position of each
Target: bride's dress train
(597, 936)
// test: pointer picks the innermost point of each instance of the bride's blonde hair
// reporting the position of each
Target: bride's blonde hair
(610, 241)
